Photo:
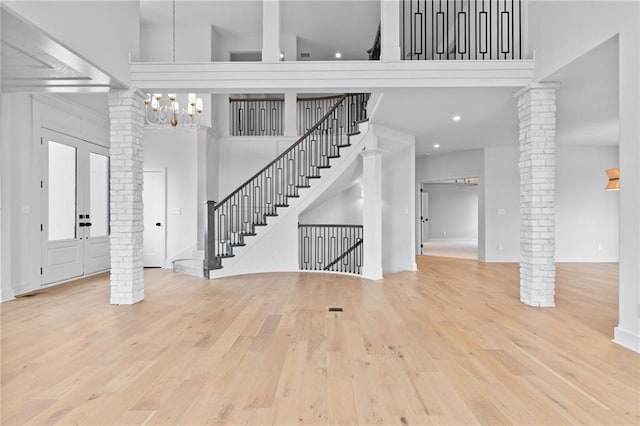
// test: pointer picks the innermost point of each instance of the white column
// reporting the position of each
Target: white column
(270, 30)
(390, 30)
(126, 111)
(372, 213)
(627, 332)
(290, 111)
(536, 111)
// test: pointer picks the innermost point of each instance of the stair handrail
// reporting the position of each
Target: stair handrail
(355, 245)
(285, 152)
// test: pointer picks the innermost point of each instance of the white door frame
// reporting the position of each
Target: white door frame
(163, 214)
(90, 254)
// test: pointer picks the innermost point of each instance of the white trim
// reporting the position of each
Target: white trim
(626, 339)
(229, 77)
(7, 295)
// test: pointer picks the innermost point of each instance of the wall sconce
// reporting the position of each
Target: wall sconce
(614, 179)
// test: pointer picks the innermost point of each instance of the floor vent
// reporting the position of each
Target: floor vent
(335, 309)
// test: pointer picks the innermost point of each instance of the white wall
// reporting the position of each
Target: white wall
(226, 45)
(341, 203)
(193, 43)
(586, 215)
(176, 150)
(558, 38)
(242, 157)
(453, 211)
(500, 213)
(103, 32)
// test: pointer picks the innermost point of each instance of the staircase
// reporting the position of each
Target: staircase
(232, 222)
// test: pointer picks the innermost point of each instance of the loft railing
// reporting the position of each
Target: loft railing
(461, 29)
(236, 216)
(374, 51)
(335, 248)
(256, 117)
(312, 109)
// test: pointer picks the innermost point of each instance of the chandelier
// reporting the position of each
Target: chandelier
(163, 115)
(172, 114)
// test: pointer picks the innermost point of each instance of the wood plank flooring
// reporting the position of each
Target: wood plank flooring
(450, 344)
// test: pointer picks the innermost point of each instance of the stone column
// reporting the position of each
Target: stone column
(372, 213)
(126, 111)
(270, 30)
(536, 112)
(390, 30)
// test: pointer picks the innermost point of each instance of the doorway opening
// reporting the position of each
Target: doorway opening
(449, 218)
(75, 215)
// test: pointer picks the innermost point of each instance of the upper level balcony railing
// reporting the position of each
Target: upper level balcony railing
(256, 116)
(461, 29)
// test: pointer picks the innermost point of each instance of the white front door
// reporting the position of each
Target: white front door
(154, 201)
(75, 200)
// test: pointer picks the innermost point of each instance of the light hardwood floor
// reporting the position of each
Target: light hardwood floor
(450, 344)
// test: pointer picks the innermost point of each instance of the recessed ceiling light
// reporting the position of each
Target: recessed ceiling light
(437, 145)
(338, 55)
(456, 118)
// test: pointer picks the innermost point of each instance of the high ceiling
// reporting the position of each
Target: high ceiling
(587, 98)
(322, 27)
(32, 61)
(587, 109)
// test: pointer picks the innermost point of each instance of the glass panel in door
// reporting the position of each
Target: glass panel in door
(99, 195)
(62, 192)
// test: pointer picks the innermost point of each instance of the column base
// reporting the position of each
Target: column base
(537, 301)
(626, 339)
(372, 273)
(126, 299)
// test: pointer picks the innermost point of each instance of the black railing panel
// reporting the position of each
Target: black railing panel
(256, 117)
(312, 109)
(335, 248)
(461, 29)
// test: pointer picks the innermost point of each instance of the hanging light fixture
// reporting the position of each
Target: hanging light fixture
(172, 114)
(614, 179)
(163, 115)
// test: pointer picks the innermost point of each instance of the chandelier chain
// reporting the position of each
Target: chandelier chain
(174, 30)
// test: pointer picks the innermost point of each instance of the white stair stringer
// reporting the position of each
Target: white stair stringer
(275, 247)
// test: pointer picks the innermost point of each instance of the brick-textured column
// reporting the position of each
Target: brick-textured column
(536, 112)
(126, 111)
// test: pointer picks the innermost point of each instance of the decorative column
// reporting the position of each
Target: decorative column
(270, 30)
(390, 30)
(536, 112)
(126, 111)
(290, 112)
(372, 213)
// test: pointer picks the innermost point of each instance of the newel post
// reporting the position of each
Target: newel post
(210, 261)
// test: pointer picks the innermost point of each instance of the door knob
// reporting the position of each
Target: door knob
(158, 224)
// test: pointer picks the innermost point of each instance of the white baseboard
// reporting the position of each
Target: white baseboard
(7, 294)
(502, 259)
(626, 339)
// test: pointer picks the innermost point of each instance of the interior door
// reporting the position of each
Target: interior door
(425, 216)
(75, 200)
(154, 200)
